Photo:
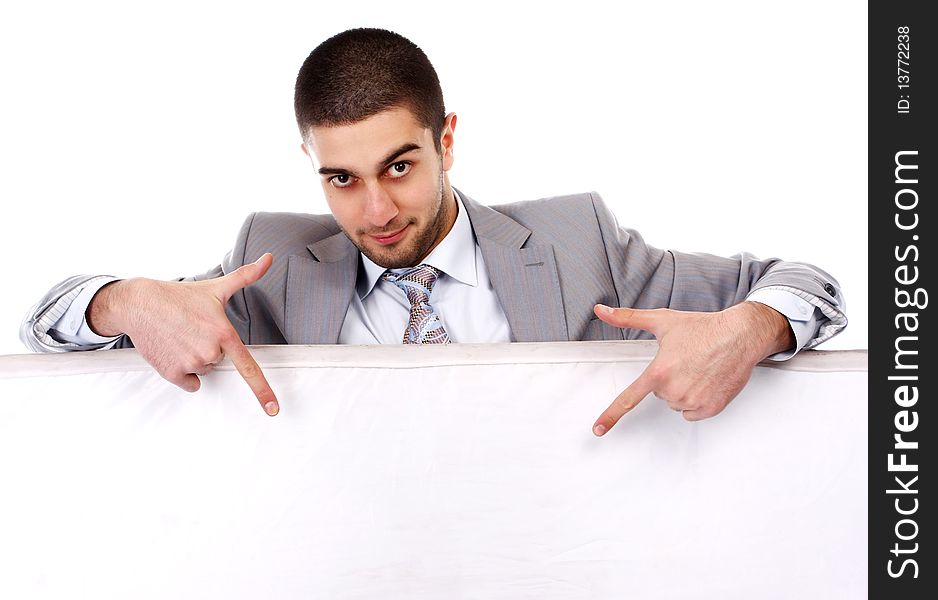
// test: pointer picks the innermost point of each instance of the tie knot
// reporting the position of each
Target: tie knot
(424, 325)
(416, 283)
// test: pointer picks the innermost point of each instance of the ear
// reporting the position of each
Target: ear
(447, 140)
(305, 149)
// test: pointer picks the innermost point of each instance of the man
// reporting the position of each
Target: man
(405, 255)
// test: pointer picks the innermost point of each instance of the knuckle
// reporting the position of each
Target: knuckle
(699, 401)
(228, 335)
(210, 354)
(190, 365)
(609, 417)
(241, 275)
(177, 374)
(250, 370)
(624, 404)
(698, 415)
(265, 395)
(680, 395)
(657, 371)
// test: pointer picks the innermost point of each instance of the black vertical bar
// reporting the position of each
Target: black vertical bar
(902, 267)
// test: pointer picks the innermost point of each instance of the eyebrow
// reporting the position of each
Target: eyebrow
(384, 162)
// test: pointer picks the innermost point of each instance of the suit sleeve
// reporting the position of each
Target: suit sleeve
(647, 277)
(38, 331)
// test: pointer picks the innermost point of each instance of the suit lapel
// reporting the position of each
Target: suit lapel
(320, 286)
(525, 278)
(319, 291)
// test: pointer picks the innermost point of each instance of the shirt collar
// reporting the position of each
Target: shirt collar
(455, 255)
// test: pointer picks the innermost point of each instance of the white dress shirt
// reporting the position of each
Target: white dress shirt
(463, 297)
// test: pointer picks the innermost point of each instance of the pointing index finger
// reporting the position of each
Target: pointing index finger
(252, 374)
(623, 403)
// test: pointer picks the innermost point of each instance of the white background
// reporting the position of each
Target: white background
(135, 138)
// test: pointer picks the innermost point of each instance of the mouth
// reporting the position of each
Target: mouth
(391, 238)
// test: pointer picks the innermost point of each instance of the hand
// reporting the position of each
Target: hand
(181, 328)
(704, 359)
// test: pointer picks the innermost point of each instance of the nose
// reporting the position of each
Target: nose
(379, 206)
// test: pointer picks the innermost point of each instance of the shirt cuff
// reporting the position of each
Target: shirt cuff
(803, 317)
(72, 326)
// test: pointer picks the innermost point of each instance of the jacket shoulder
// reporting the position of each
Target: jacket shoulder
(281, 233)
(288, 225)
(557, 216)
(289, 228)
(568, 201)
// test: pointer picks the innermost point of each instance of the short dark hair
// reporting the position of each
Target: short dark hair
(361, 72)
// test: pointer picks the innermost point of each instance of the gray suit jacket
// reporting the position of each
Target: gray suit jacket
(549, 261)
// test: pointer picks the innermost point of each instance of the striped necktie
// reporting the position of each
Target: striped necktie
(424, 325)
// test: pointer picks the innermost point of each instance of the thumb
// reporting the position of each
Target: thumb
(632, 318)
(244, 276)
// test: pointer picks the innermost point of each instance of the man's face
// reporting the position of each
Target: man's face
(385, 184)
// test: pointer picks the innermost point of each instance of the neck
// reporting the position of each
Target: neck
(450, 206)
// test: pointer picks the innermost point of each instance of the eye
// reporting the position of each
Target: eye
(341, 181)
(399, 169)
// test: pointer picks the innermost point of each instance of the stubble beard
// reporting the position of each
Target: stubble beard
(401, 258)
